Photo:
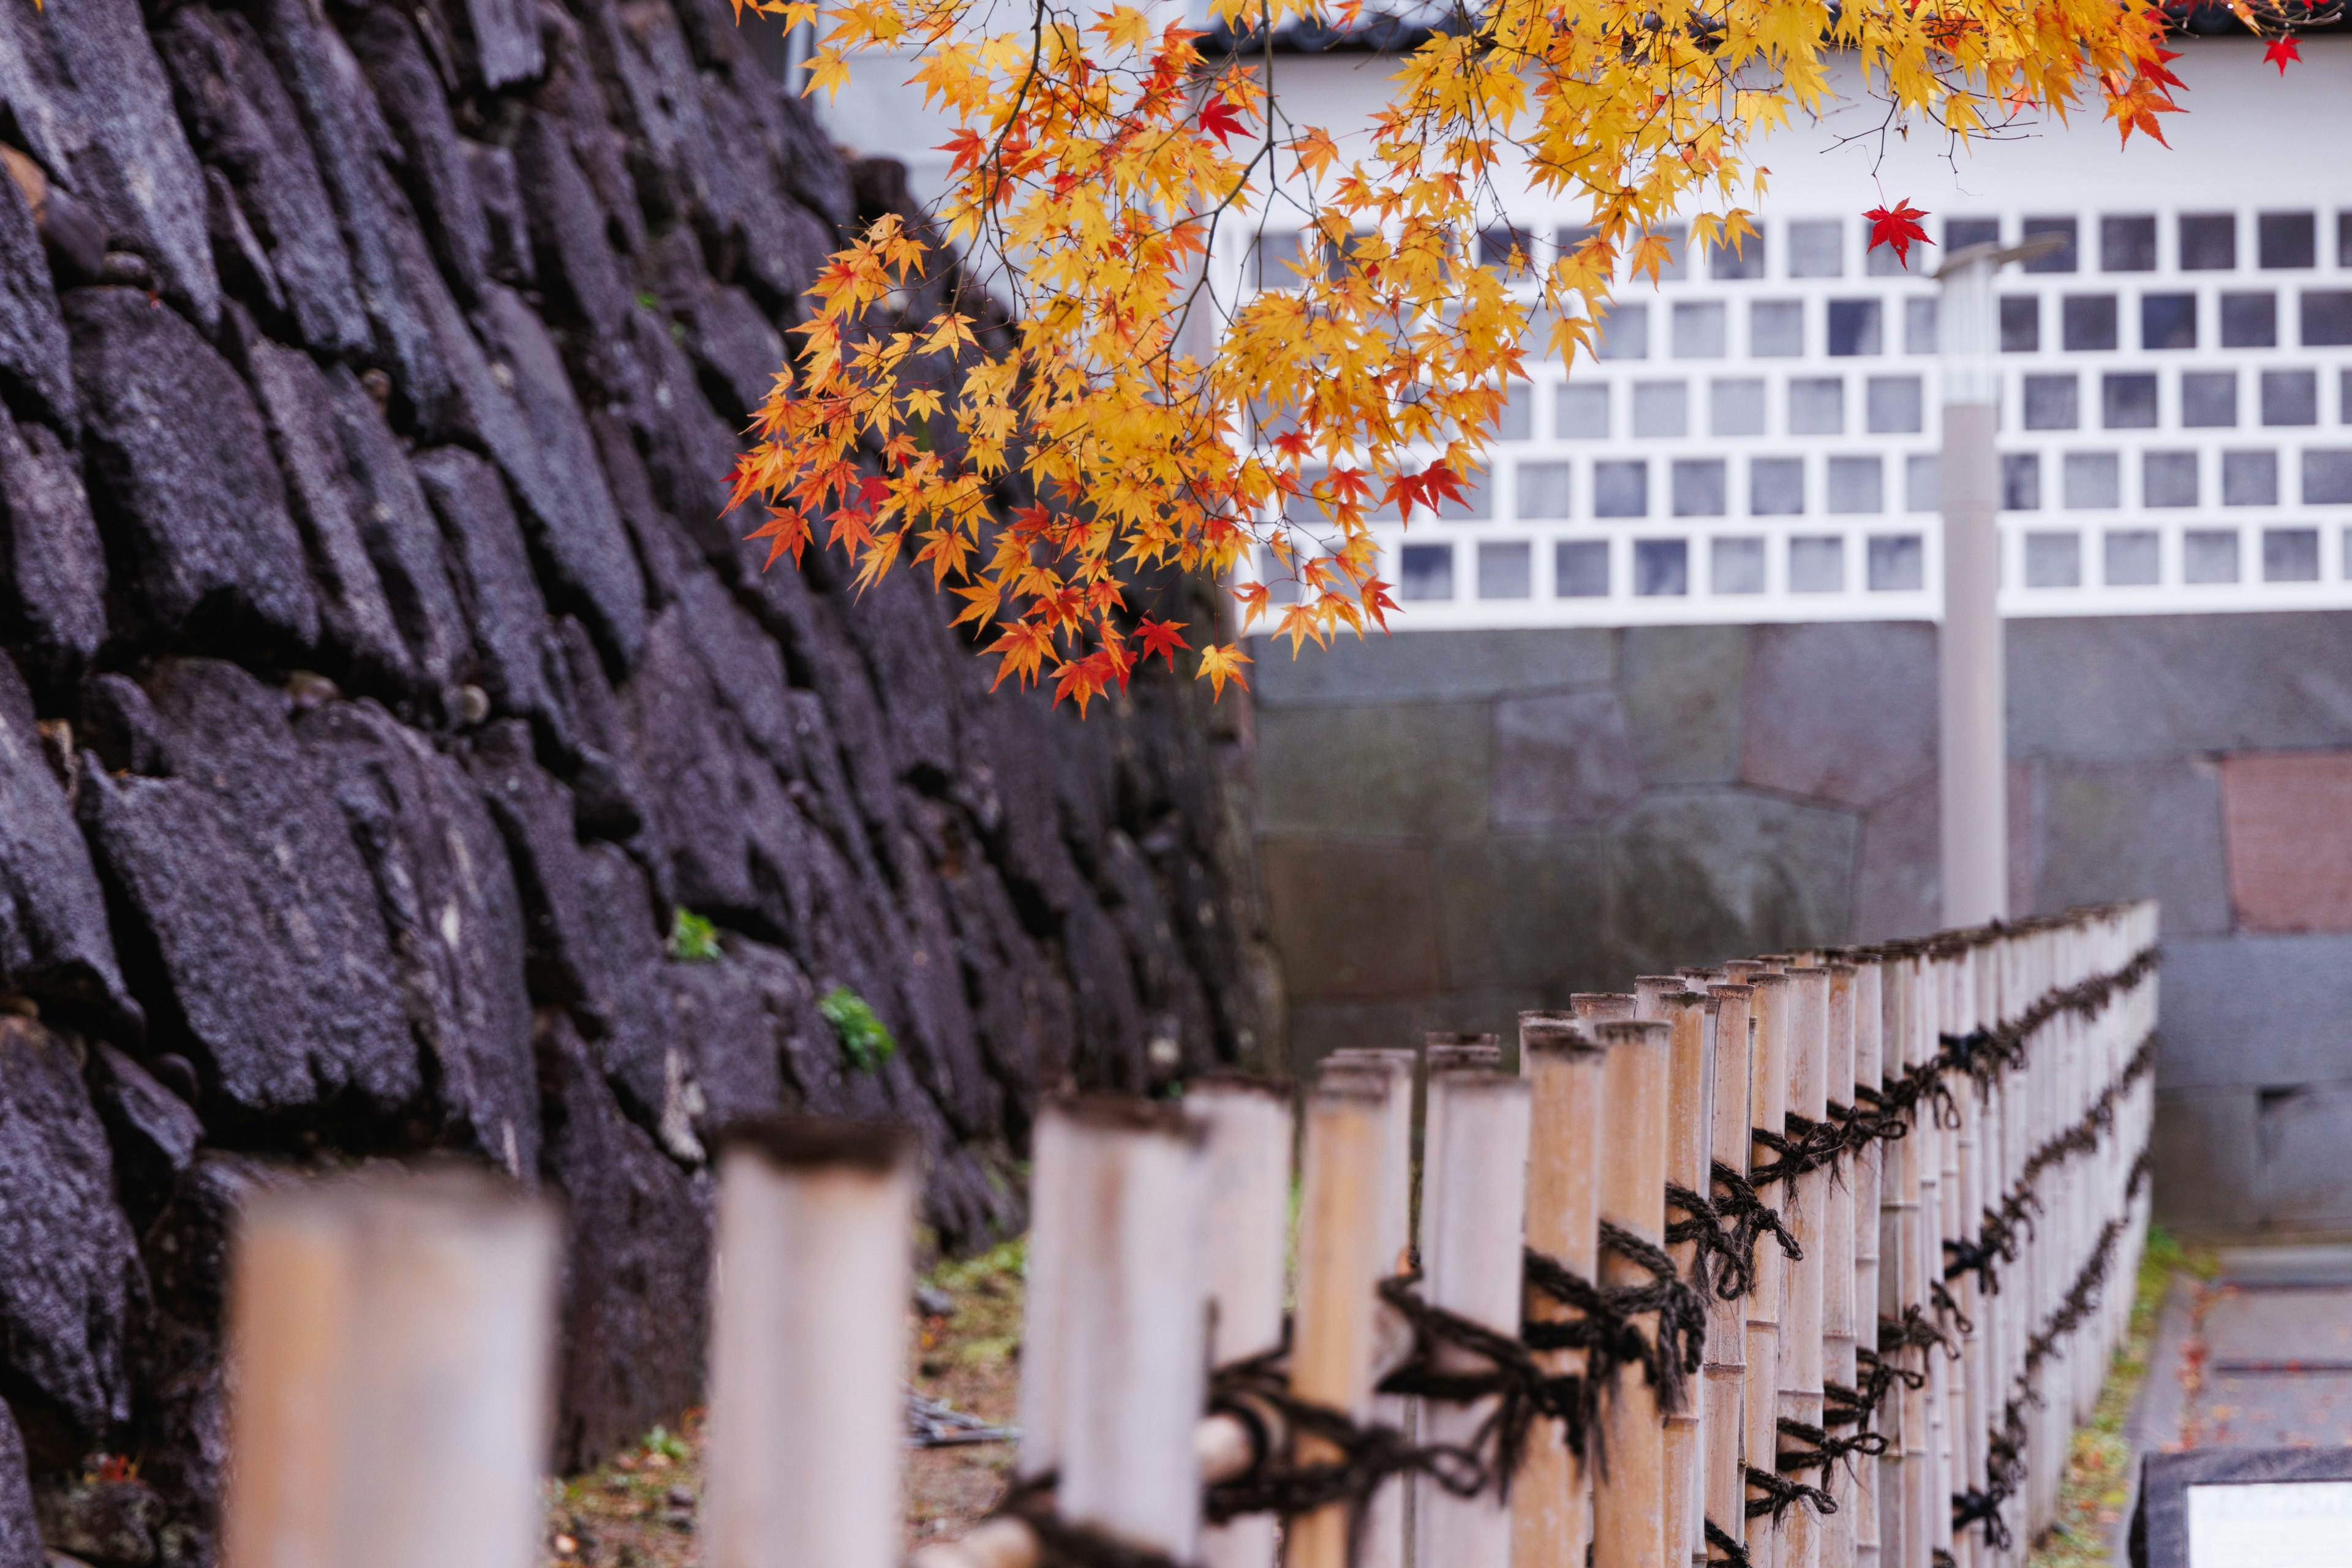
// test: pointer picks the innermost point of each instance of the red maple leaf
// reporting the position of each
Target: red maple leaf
(1897, 226)
(2282, 49)
(1161, 638)
(1220, 121)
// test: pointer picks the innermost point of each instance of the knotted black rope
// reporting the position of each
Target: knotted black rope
(1942, 1300)
(1726, 1229)
(1975, 1507)
(1521, 1388)
(1366, 1454)
(1734, 1555)
(1062, 1544)
(1821, 1448)
(1681, 1332)
(1807, 1146)
(1780, 1494)
(1964, 1257)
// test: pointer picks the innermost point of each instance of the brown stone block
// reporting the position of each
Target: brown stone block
(1562, 759)
(1840, 711)
(2287, 820)
(1352, 923)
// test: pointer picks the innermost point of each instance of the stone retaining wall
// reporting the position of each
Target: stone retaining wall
(1456, 826)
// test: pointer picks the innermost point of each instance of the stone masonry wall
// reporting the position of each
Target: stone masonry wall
(1453, 826)
(379, 680)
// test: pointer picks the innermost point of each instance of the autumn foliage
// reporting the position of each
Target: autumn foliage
(1136, 412)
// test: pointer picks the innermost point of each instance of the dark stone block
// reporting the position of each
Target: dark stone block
(1432, 667)
(52, 565)
(253, 906)
(1704, 875)
(608, 792)
(35, 375)
(490, 567)
(574, 92)
(448, 901)
(396, 525)
(249, 133)
(507, 230)
(2303, 1135)
(2156, 686)
(496, 43)
(439, 174)
(2204, 1159)
(183, 483)
(2252, 1011)
(1182, 1039)
(1318, 1028)
(73, 1275)
(1522, 911)
(689, 451)
(574, 260)
(1898, 886)
(53, 933)
(2134, 830)
(92, 102)
(1561, 759)
(728, 336)
(355, 616)
(1842, 711)
(637, 1252)
(1352, 922)
(20, 1532)
(576, 533)
(154, 1132)
(1421, 770)
(1681, 686)
(819, 176)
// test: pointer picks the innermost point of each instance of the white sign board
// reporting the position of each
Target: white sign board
(2270, 1524)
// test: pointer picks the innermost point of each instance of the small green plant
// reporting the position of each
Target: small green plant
(660, 1440)
(863, 1035)
(692, 937)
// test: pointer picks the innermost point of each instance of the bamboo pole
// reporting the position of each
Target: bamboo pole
(1038, 1401)
(1807, 1213)
(1132, 1398)
(1339, 1266)
(1691, 1020)
(815, 1226)
(1383, 1533)
(1767, 1112)
(1248, 1127)
(388, 1350)
(1551, 1500)
(1473, 1220)
(1838, 1361)
(1602, 1006)
(1869, 1073)
(1724, 1375)
(1629, 1494)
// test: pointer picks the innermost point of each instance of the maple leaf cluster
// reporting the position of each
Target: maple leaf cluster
(1134, 401)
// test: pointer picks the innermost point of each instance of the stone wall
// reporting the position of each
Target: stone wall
(1453, 826)
(379, 680)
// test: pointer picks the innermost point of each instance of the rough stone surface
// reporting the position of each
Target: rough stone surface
(2288, 822)
(1561, 759)
(1548, 936)
(20, 1535)
(2143, 686)
(1314, 887)
(1432, 667)
(73, 1276)
(52, 566)
(2300, 1133)
(53, 933)
(1712, 874)
(2134, 830)
(1805, 732)
(1420, 769)
(1681, 687)
(2206, 1158)
(380, 683)
(192, 506)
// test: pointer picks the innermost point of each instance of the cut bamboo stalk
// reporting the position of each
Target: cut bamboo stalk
(1131, 1402)
(1838, 1363)
(1248, 1126)
(1801, 1308)
(1870, 1073)
(1381, 1537)
(1767, 1112)
(389, 1354)
(1043, 1312)
(1629, 1494)
(1602, 1006)
(1650, 994)
(1338, 1267)
(816, 1228)
(1551, 1500)
(1691, 1021)
(1472, 1223)
(1724, 1374)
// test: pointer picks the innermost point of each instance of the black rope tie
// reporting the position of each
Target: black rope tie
(1726, 1229)
(1822, 1450)
(1734, 1555)
(1520, 1386)
(1780, 1494)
